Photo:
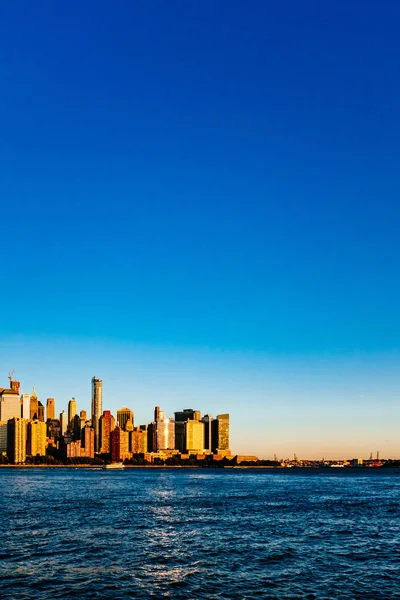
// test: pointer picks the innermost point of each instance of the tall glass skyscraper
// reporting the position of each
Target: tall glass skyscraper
(97, 409)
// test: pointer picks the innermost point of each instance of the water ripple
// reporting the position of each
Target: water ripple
(190, 534)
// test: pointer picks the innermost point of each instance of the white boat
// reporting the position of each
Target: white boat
(115, 465)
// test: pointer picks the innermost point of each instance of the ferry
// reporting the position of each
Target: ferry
(115, 465)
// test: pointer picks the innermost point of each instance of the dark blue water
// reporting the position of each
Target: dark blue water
(198, 533)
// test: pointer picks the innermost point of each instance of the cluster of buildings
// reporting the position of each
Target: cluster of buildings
(28, 428)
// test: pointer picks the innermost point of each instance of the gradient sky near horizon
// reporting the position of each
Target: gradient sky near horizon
(200, 205)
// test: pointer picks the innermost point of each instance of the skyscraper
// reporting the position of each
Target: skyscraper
(88, 442)
(189, 436)
(119, 445)
(3, 437)
(164, 435)
(53, 428)
(63, 422)
(10, 404)
(158, 414)
(106, 426)
(220, 430)
(77, 427)
(50, 409)
(36, 438)
(123, 415)
(16, 440)
(25, 406)
(207, 420)
(194, 436)
(40, 411)
(34, 403)
(186, 414)
(138, 441)
(71, 411)
(97, 409)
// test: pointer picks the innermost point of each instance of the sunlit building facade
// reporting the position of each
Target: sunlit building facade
(34, 402)
(87, 442)
(220, 433)
(97, 409)
(36, 438)
(164, 435)
(138, 441)
(25, 406)
(50, 409)
(106, 426)
(119, 445)
(124, 414)
(63, 422)
(10, 404)
(71, 411)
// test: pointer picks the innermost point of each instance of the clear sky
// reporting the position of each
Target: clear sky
(200, 205)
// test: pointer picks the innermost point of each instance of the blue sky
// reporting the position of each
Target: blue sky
(203, 198)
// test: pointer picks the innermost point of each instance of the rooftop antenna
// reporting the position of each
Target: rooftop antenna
(10, 375)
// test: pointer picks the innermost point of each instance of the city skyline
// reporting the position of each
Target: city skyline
(281, 433)
(101, 438)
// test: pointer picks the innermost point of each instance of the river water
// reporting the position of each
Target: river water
(199, 533)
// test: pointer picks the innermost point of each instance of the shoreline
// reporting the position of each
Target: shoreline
(155, 466)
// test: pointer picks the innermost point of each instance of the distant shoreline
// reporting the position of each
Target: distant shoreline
(155, 466)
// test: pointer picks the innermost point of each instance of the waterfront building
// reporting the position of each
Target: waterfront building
(16, 440)
(25, 406)
(63, 422)
(194, 437)
(33, 408)
(71, 412)
(119, 445)
(220, 434)
(207, 420)
(3, 437)
(40, 412)
(50, 409)
(87, 442)
(10, 404)
(138, 441)
(74, 449)
(36, 438)
(106, 426)
(187, 414)
(164, 435)
(189, 436)
(242, 458)
(97, 408)
(161, 433)
(123, 415)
